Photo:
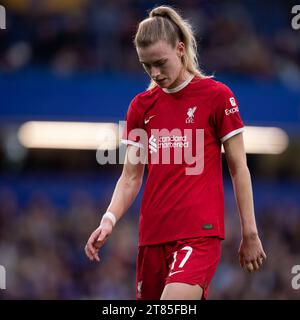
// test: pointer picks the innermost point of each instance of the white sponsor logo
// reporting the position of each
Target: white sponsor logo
(171, 273)
(296, 19)
(173, 142)
(190, 115)
(176, 147)
(232, 101)
(296, 278)
(2, 278)
(147, 120)
(139, 286)
(152, 144)
(231, 111)
(2, 18)
(167, 142)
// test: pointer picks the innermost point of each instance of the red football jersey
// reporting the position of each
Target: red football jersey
(185, 128)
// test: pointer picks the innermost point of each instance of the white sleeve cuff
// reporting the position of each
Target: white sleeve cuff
(231, 134)
(136, 144)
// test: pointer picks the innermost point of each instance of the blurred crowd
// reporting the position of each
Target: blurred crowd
(42, 247)
(244, 37)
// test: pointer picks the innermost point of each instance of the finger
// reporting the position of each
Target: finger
(260, 261)
(102, 237)
(255, 265)
(249, 267)
(242, 262)
(90, 248)
(96, 256)
(88, 253)
(264, 255)
(94, 236)
(96, 252)
(93, 250)
(93, 253)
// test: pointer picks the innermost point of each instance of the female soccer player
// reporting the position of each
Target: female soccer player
(181, 222)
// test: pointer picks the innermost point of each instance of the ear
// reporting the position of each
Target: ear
(180, 49)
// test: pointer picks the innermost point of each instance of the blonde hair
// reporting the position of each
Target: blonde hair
(165, 23)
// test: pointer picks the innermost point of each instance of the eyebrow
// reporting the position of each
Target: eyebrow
(160, 60)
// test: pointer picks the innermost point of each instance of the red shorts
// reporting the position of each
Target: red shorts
(193, 261)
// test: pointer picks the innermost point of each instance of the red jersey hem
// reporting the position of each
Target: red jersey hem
(149, 243)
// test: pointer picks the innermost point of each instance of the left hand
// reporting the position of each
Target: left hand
(251, 253)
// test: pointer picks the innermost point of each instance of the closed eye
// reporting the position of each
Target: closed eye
(158, 63)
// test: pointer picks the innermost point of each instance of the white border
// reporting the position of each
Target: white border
(180, 87)
(232, 133)
(136, 144)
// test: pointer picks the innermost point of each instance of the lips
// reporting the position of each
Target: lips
(160, 81)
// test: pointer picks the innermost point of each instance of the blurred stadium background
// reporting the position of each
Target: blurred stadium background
(73, 60)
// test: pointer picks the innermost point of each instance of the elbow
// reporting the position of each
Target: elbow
(238, 170)
(132, 182)
(137, 184)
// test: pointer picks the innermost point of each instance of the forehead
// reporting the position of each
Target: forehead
(154, 52)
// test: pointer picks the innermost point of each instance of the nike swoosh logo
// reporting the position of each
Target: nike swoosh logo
(147, 120)
(171, 273)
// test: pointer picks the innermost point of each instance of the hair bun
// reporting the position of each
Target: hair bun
(159, 13)
(163, 15)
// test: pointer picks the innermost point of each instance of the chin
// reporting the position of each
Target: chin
(162, 84)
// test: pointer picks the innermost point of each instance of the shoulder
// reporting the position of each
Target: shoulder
(222, 90)
(215, 87)
(219, 93)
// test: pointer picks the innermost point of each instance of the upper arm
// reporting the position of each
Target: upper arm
(134, 167)
(235, 152)
(226, 114)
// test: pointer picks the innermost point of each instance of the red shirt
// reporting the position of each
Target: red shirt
(177, 205)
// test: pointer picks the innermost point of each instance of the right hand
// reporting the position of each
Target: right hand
(97, 239)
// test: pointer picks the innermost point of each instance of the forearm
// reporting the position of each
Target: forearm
(242, 186)
(124, 194)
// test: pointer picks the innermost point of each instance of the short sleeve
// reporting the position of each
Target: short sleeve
(227, 118)
(133, 123)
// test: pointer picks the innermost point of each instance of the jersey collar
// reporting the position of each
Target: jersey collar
(180, 87)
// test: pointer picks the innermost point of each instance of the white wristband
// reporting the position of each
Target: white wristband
(110, 216)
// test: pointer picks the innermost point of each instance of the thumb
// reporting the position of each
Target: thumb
(102, 236)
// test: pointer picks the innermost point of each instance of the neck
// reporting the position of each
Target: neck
(183, 76)
(180, 86)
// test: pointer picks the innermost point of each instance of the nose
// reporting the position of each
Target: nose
(154, 72)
